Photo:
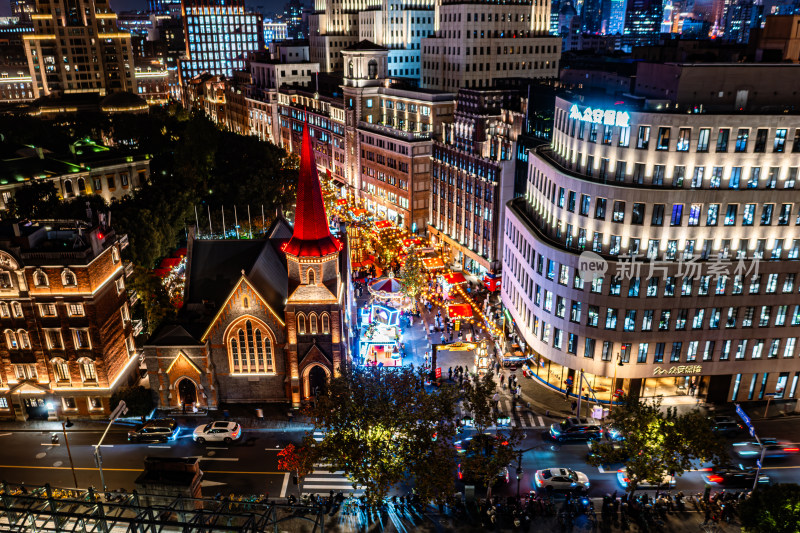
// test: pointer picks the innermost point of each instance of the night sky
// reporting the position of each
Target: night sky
(265, 6)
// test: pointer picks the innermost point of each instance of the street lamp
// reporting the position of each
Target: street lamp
(64, 426)
(120, 410)
(519, 467)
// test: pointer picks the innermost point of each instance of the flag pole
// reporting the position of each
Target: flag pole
(249, 222)
(236, 219)
(223, 221)
(196, 221)
(210, 231)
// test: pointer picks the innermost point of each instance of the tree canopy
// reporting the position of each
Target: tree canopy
(382, 427)
(773, 509)
(657, 442)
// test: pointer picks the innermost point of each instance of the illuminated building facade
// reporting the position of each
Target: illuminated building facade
(77, 47)
(264, 320)
(67, 341)
(220, 35)
(657, 247)
(274, 31)
(643, 20)
(23, 9)
(472, 177)
(475, 43)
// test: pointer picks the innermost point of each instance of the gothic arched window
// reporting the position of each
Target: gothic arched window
(311, 277)
(250, 347)
(301, 324)
(312, 324)
(326, 324)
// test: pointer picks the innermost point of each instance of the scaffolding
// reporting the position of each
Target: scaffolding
(45, 509)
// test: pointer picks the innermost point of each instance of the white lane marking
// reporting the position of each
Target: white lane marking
(106, 445)
(334, 487)
(5, 434)
(285, 484)
(602, 470)
(331, 480)
(49, 444)
(338, 473)
(208, 483)
(202, 458)
(58, 463)
(152, 446)
(215, 448)
(541, 420)
(41, 455)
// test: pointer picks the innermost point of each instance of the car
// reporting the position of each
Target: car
(726, 426)
(666, 482)
(226, 432)
(773, 448)
(575, 428)
(502, 475)
(733, 476)
(156, 430)
(558, 479)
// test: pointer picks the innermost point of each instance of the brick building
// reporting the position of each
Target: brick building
(67, 341)
(264, 320)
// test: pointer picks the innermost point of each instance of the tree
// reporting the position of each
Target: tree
(486, 454)
(296, 459)
(383, 427)
(657, 442)
(156, 302)
(36, 200)
(773, 509)
(412, 275)
(138, 400)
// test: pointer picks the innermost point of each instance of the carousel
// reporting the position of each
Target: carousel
(380, 344)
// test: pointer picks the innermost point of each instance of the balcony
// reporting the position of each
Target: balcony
(395, 133)
(123, 241)
(138, 327)
(133, 297)
(128, 269)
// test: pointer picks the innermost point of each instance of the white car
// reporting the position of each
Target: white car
(666, 482)
(226, 432)
(561, 479)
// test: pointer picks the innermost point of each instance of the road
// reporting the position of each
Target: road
(250, 465)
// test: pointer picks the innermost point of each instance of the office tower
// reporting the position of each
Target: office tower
(642, 23)
(616, 17)
(477, 43)
(165, 7)
(274, 31)
(593, 16)
(740, 18)
(23, 9)
(77, 47)
(220, 35)
(399, 26)
(333, 26)
(648, 192)
(293, 17)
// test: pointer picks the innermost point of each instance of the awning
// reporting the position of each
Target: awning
(383, 224)
(412, 242)
(161, 272)
(456, 311)
(359, 212)
(341, 201)
(433, 263)
(455, 278)
(170, 262)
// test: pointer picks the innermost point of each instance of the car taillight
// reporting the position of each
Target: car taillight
(460, 474)
(625, 480)
(793, 450)
(705, 469)
(715, 479)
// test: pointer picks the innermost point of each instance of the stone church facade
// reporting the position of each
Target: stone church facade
(263, 320)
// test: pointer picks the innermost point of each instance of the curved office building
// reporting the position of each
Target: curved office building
(660, 247)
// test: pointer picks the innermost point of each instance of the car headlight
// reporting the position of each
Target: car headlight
(586, 484)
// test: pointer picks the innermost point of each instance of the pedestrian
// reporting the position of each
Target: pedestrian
(708, 515)
(519, 389)
(502, 378)
(443, 339)
(574, 406)
(450, 374)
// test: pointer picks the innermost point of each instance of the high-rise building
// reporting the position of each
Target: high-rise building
(616, 17)
(593, 16)
(165, 7)
(642, 23)
(477, 43)
(333, 25)
(274, 31)
(472, 177)
(741, 17)
(23, 9)
(220, 35)
(653, 246)
(293, 17)
(77, 47)
(68, 342)
(400, 27)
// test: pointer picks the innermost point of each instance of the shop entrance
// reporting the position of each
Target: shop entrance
(36, 408)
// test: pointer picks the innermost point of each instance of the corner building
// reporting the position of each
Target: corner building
(707, 205)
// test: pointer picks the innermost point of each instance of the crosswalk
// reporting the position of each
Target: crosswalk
(523, 418)
(322, 480)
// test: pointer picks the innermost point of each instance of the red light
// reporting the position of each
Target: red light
(99, 235)
(715, 479)
(791, 449)
(706, 470)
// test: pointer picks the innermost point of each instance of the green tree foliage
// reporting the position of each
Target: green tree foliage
(412, 275)
(383, 427)
(774, 509)
(156, 302)
(488, 452)
(658, 442)
(138, 399)
(38, 199)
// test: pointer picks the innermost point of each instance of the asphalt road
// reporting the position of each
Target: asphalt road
(250, 465)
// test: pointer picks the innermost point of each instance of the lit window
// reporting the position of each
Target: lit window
(250, 348)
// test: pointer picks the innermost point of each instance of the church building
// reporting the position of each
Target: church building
(263, 320)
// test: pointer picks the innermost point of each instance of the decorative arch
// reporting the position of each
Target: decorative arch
(245, 302)
(251, 346)
(312, 324)
(301, 324)
(307, 393)
(350, 70)
(311, 276)
(40, 279)
(23, 339)
(11, 340)
(81, 186)
(68, 278)
(16, 307)
(372, 69)
(4, 313)
(326, 323)
(68, 190)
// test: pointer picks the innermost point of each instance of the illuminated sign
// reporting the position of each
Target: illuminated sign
(607, 117)
(681, 369)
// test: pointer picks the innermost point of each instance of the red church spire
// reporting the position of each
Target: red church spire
(312, 236)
